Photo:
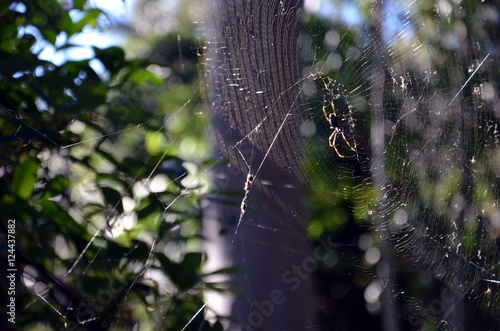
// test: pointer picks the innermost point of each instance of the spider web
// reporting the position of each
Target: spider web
(427, 124)
(412, 215)
(423, 124)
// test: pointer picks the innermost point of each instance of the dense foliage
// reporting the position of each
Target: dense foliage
(97, 244)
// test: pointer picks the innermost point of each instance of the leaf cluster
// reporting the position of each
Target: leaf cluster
(96, 245)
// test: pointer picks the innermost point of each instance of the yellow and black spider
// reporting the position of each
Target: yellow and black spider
(334, 125)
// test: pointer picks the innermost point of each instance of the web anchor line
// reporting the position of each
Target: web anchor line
(470, 77)
(492, 281)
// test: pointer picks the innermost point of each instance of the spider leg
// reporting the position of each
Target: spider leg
(333, 109)
(332, 139)
(347, 142)
(324, 112)
(334, 143)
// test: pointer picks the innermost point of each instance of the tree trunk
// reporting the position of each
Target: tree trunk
(252, 70)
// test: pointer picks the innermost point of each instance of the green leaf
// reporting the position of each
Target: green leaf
(183, 274)
(113, 58)
(146, 211)
(192, 261)
(49, 35)
(63, 220)
(142, 77)
(56, 186)
(24, 179)
(79, 4)
(89, 19)
(155, 142)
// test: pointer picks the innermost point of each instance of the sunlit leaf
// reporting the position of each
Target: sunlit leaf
(23, 183)
(143, 77)
(89, 19)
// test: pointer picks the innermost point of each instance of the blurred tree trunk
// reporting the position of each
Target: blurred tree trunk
(386, 269)
(252, 70)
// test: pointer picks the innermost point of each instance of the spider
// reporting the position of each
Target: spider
(248, 184)
(334, 125)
